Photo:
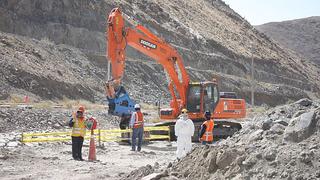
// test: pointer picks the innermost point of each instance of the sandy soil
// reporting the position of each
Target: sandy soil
(54, 161)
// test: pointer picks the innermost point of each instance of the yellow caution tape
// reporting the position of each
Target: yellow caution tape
(102, 135)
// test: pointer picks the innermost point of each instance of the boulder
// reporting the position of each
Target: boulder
(255, 136)
(306, 157)
(249, 162)
(301, 127)
(212, 166)
(13, 144)
(304, 102)
(270, 154)
(277, 129)
(282, 122)
(266, 125)
(225, 158)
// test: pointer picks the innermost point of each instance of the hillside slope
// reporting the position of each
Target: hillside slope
(301, 35)
(214, 42)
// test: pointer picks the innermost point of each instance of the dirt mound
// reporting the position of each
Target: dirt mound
(279, 144)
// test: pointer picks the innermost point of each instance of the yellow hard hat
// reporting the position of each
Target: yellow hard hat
(184, 110)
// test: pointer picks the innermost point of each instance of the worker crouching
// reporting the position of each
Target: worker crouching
(136, 123)
(184, 130)
(78, 124)
(206, 131)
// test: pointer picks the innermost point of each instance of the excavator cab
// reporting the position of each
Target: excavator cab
(202, 96)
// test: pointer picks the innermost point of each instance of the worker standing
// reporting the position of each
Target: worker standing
(78, 124)
(136, 123)
(206, 136)
(184, 130)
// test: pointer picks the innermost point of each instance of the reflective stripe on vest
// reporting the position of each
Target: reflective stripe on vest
(208, 136)
(138, 120)
(79, 127)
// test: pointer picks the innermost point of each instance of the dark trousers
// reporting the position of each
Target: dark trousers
(206, 142)
(77, 143)
(137, 133)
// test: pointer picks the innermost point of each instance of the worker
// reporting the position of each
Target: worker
(206, 136)
(136, 123)
(78, 124)
(184, 130)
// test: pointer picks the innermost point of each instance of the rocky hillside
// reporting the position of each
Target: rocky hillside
(214, 42)
(301, 35)
(44, 70)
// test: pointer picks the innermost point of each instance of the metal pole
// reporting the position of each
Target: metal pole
(109, 67)
(252, 77)
(99, 138)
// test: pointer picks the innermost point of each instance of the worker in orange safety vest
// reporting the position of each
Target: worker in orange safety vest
(206, 131)
(136, 123)
(78, 124)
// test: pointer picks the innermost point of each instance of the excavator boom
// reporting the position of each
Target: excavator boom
(141, 39)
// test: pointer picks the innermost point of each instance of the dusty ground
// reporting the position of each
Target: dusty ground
(54, 161)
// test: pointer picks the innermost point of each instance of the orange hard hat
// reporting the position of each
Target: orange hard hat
(81, 108)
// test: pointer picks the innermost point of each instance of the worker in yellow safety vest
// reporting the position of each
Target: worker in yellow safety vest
(206, 131)
(136, 123)
(78, 124)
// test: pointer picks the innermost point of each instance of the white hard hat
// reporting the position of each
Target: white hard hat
(137, 106)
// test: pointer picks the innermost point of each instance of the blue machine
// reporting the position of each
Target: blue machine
(121, 106)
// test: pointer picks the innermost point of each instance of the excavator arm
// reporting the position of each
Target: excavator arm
(120, 36)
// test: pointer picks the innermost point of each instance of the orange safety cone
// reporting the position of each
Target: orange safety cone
(92, 148)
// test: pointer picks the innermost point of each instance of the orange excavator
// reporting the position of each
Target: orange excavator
(196, 97)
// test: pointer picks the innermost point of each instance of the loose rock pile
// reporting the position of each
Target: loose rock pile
(282, 143)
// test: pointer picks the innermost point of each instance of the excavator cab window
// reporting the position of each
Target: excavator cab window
(194, 98)
(210, 97)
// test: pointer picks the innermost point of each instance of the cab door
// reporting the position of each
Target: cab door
(210, 97)
(194, 98)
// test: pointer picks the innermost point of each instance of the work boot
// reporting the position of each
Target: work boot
(139, 149)
(132, 149)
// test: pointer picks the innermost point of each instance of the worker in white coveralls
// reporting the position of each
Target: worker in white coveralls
(184, 130)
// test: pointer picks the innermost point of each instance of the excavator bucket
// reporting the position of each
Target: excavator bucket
(121, 105)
